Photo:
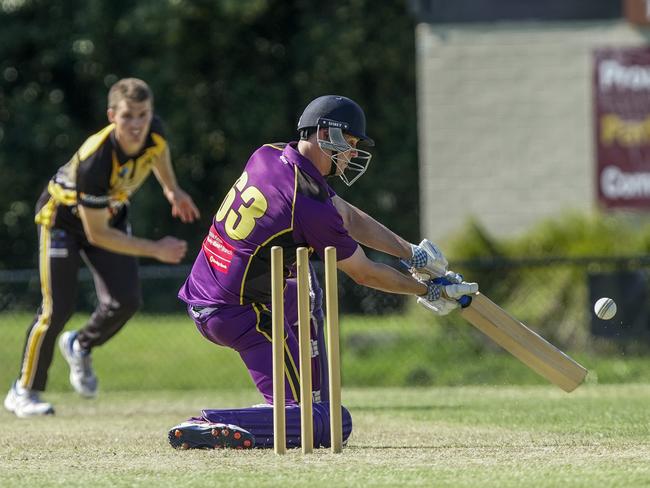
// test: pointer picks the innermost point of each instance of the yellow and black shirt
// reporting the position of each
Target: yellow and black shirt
(99, 175)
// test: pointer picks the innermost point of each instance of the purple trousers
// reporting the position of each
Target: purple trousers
(247, 330)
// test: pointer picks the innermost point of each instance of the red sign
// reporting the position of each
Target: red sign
(622, 126)
(218, 251)
(637, 12)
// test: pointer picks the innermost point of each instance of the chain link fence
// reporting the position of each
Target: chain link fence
(557, 294)
(386, 339)
(20, 291)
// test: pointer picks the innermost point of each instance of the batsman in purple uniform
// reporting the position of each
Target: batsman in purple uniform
(282, 198)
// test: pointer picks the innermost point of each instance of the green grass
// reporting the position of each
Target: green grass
(166, 352)
(447, 436)
(150, 352)
(508, 430)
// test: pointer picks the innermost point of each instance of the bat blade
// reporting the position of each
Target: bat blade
(527, 346)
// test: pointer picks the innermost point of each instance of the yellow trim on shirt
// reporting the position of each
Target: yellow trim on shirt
(275, 146)
(93, 142)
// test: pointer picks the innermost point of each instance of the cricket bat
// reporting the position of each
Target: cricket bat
(527, 346)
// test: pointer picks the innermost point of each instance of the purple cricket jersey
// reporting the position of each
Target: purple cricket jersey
(280, 199)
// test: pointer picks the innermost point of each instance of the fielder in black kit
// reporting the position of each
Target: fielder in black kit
(82, 216)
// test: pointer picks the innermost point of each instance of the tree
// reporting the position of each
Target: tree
(228, 75)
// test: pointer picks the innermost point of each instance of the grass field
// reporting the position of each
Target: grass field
(156, 352)
(509, 429)
(447, 436)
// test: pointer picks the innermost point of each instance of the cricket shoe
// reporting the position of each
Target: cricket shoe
(208, 435)
(26, 403)
(82, 376)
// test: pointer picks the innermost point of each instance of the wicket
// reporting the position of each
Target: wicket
(277, 330)
(304, 340)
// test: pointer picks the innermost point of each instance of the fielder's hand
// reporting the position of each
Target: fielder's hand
(170, 250)
(427, 261)
(183, 206)
(444, 296)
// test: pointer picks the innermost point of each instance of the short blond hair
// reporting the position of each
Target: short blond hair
(132, 89)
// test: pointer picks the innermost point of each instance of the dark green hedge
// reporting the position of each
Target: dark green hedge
(228, 75)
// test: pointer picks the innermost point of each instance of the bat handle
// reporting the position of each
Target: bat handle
(465, 301)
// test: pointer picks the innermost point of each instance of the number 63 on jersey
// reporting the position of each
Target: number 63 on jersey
(240, 221)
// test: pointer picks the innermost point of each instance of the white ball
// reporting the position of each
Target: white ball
(605, 308)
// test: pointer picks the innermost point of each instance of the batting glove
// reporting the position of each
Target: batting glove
(427, 261)
(444, 296)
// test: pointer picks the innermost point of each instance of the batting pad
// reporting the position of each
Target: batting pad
(259, 422)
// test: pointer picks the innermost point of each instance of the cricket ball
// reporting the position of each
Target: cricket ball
(605, 308)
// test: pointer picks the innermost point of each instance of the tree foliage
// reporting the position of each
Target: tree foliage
(228, 76)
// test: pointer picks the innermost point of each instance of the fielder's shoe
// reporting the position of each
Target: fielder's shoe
(82, 376)
(207, 435)
(26, 403)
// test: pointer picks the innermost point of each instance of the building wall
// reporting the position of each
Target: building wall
(505, 121)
